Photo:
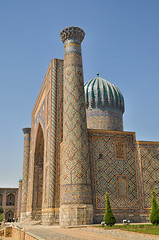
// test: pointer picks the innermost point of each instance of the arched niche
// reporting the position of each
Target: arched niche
(9, 216)
(10, 201)
(38, 173)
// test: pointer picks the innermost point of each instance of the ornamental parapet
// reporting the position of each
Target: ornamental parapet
(26, 130)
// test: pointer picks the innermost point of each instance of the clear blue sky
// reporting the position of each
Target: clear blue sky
(121, 43)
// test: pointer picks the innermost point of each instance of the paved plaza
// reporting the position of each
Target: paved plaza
(82, 233)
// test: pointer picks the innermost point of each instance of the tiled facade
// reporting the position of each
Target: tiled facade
(73, 162)
(46, 134)
(113, 164)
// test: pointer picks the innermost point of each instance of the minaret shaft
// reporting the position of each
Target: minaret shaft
(26, 157)
(75, 181)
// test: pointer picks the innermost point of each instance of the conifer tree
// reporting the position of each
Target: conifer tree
(109, 218)
(154, 214)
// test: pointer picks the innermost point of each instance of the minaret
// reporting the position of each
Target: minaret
(76, 197)
(19, 198)
(26, 156)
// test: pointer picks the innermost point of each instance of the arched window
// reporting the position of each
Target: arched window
(1, 198)
(120, 150)
(100, 155)
(10, 200)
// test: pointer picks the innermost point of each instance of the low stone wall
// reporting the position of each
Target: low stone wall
(19, 234)
(1, 232)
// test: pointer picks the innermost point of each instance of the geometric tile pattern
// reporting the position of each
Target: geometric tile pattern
(76, 186)
(55, 140)
(40, 118)
(149, 154)
(59, 128)
(53, 136)
(108, 169)
(122, 186)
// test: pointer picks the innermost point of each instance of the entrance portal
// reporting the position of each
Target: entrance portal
(38, 174)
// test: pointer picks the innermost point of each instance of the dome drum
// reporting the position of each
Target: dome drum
(104, 120)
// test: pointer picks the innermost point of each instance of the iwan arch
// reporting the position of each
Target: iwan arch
(76, 149)
(38, 173)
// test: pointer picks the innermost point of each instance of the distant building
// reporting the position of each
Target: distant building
(76, 150)
(9, 202)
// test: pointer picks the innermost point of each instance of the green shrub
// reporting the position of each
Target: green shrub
(154, 214)
(1, 214)
(109, 218)
(1, 210)
(1, 217)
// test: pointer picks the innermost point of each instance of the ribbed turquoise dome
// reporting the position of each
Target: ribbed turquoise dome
(20, 179)
(103, 95)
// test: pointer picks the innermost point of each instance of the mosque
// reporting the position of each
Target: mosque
(76, 149)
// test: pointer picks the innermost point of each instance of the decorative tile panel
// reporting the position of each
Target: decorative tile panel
(108, 169)
(149, 155)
